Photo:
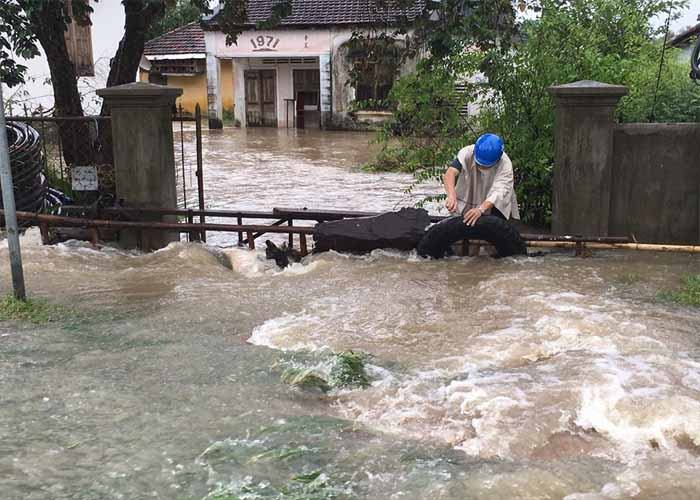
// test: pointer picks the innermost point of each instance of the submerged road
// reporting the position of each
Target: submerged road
(528, 378)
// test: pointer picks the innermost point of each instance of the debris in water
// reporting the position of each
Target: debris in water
(349, 371)
(281, 255)
(305, 379)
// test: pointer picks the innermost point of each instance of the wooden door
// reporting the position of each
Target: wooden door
(261, 98)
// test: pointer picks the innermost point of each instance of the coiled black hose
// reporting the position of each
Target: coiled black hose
(32, 191)
(27, 164)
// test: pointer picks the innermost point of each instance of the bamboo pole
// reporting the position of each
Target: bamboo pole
(644, 247)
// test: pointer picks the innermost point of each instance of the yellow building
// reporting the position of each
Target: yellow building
(178, 59)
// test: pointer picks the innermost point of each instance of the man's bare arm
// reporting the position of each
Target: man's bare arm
(449, 179)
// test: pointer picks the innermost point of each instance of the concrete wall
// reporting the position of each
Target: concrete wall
(637, 179)
(194, 90)
(655, 191)
(227, 95)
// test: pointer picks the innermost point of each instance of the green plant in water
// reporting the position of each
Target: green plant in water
(305, 379)
(370, 105)
(32, 310)
(311, 486)
(688, 296)
(349, 371)
(280, 454)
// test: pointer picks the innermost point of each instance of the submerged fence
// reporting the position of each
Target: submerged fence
(68, 142)
(188, 158)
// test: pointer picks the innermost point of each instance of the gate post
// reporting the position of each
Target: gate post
(583, 142)
(144, 158)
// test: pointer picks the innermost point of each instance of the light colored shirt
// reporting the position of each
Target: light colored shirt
(476, 184)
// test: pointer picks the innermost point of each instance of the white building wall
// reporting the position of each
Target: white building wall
(239, 67)
(324, 45)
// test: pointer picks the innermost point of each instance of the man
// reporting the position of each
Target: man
(480, 181)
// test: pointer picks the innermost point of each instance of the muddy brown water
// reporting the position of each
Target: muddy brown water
(549, 377)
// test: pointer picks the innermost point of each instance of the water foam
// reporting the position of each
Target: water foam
(253, 264)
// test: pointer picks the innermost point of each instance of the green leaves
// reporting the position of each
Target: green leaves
(605, 40)
(179, 13)
(688, 296)
(16, 37)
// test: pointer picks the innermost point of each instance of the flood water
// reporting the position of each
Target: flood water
(548, 377)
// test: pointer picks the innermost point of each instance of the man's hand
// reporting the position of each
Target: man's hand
(451, 202)
(472, 216)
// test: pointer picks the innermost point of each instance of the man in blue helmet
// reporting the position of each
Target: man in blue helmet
(480, 181)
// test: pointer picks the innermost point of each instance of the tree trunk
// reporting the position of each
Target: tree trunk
(49, 26)
(124, 66)
(125, 63)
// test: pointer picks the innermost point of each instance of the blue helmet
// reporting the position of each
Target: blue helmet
(488, 150)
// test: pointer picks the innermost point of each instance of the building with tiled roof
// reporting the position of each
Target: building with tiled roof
(294, 74)
(324, 13)
(188, 39)
(178, 59)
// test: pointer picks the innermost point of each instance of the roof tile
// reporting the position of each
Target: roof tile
(326, 12)
(188, 39)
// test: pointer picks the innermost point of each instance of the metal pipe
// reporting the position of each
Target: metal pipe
(9, 211)
(57, 220)
(200, 166)
(648, 247)
(56, 119)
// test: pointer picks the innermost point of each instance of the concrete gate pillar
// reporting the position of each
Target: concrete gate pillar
(144, 160)
(214, 102)
(583, 139)
(324, 62)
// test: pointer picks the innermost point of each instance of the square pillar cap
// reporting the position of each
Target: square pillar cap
(588, 88)
(139, 93)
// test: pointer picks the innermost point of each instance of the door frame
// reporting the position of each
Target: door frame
(262, 105)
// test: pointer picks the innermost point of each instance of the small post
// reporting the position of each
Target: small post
(200, 166)
(251, 240)
(192, 235)
(8, 201)
(239, 221)
(291, 235)
(45, 234)
(182, 155)
(302, 244)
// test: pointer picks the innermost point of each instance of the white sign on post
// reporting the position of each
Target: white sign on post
(84, 178)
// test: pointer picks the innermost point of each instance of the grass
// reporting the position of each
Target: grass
(689, 295)
(35, 311)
